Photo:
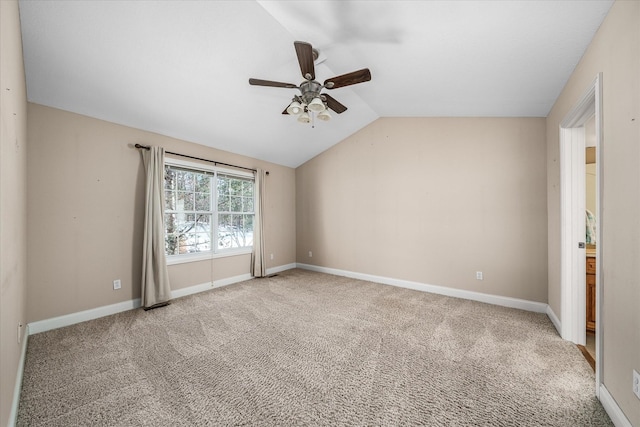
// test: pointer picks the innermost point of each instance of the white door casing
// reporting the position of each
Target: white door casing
(572, 225)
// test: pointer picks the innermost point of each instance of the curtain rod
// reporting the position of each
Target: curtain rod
(146, 147)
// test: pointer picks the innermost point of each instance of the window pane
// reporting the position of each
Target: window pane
(225, 232)
(247, 188)
(177, 227)
(180, 179)
(194, 233)
(203, 183)
(223, 185)
(235, 231)
(169, 200)
(171, 244)
(223, 203)
(235, 187)
(237, 221)
(185, 201)
(171, 237)
(248, 230)
(169, 178)
(186, 180)
(247, 204)
(203, 202)
(204, 220)
(184, 222)
(170, 223)
(200, 238)
(236, 204)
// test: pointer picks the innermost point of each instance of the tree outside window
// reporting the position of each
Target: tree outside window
(207, 211)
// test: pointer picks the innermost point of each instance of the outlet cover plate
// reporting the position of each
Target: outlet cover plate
(636, 383)
(117, 284)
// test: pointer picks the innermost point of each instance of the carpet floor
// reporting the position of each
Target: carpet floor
(306, 348)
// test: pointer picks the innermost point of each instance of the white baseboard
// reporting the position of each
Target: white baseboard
(281, 268)
(554, 319)
(13, 416)
(82, 316)
(195, 289)
(190, 290)
(231, 280)
(107, 310)
(521, 304)
(612, 408)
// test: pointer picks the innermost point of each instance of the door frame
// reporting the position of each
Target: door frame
(572, 224)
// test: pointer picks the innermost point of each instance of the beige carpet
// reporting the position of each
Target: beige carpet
(305, 348)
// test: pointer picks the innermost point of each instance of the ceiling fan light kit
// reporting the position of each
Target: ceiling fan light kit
(316, 105)
(311, 101)
(324, 116)
(304, 118)
(295, 108)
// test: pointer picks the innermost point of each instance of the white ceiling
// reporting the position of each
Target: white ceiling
(181, 68)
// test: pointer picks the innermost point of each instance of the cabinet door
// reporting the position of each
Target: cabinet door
(591, 302)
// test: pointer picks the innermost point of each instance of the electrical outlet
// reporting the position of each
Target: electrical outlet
(479, 275)
(310, 254)
(271, 256)
(19, 332)
(636, 383)
(117, 284)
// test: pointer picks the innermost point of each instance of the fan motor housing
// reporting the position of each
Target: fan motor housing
(310, 89)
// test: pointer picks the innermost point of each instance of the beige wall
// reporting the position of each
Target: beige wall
(13, 202)
(85, 204)
(425, 199)
(614, 51)
(432, 200)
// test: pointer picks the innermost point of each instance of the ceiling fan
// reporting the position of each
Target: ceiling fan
(310, 100)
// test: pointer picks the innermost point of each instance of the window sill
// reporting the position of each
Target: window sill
(181, 259)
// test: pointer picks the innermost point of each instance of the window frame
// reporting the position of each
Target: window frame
(215, 252)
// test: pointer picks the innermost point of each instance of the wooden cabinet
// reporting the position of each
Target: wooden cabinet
(591, 294)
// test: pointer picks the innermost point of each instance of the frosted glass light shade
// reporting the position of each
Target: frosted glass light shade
(304, 118)
(316, 105)
(295, 108)
(324, 116)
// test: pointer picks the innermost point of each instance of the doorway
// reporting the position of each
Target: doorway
(573, 221)
(591, 225)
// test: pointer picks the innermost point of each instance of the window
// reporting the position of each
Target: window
(207, 210)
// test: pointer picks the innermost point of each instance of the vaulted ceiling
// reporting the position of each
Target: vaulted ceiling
(181, 68)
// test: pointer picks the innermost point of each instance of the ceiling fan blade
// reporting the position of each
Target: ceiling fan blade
(258, 82)
(348, 79)
(285, 111)
(305, 58)
(334, 105)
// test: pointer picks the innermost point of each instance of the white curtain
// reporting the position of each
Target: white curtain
(155, 278)
(258, 265)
